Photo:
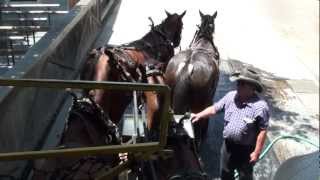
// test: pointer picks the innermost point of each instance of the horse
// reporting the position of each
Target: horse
(86, 125)
(193, 74)
(143, 60)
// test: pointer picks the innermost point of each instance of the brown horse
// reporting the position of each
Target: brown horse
(139, 61)
(86, 125)
(193, 74)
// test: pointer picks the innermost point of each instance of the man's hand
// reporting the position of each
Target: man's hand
(194, 117)
(254, 157)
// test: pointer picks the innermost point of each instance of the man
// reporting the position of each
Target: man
(246, 120)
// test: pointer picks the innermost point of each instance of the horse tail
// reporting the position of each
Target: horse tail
(182, 89)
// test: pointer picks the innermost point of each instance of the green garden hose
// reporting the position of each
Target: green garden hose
(267, 149)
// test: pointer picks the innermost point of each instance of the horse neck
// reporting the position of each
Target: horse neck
(155, 46)
(203, 44)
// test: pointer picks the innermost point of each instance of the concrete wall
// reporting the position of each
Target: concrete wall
(26, 114)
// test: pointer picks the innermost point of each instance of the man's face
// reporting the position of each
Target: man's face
(245, 89)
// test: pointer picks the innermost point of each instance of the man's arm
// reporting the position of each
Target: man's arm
(254, 156)
(209, 111)
(213, 109)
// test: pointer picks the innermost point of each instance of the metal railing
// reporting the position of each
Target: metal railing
(103, 7)
(144, 148)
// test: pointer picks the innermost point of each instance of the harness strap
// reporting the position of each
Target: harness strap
(123, 63)
(163, 36)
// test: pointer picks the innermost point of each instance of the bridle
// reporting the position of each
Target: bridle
(202, 32)
(154, 43)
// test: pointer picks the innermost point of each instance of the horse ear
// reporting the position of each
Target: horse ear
(168, 14)
(184, 12)
(215, 14)
(201, 15)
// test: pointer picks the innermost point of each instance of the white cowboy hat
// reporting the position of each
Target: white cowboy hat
(249, 75)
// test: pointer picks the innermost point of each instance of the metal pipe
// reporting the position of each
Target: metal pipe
(79, 152)
(79, 84)
(135, 116)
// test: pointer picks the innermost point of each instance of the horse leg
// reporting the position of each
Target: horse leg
(152, 102)
(120, 101)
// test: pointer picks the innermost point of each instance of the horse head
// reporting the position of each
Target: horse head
(172, 27)
(207, 26)
(160, 41)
